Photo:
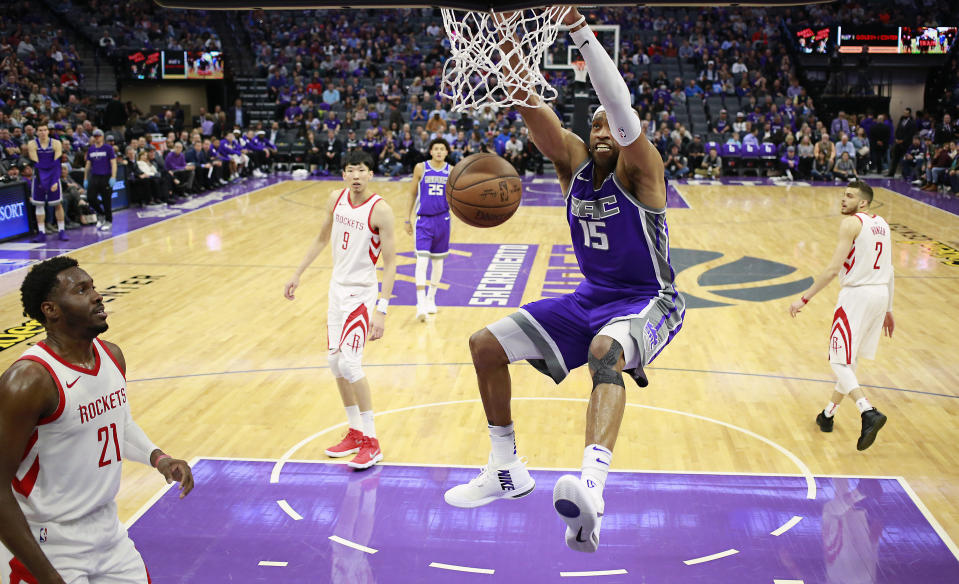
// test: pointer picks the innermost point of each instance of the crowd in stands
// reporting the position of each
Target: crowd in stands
(345, 80)
(141, 24)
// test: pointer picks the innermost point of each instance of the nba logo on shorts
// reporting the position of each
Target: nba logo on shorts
(43, 534)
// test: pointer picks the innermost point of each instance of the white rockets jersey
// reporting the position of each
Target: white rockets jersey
(71, 465)
(870, 259)
(356, 245)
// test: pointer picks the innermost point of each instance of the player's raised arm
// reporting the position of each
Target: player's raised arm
(382, 221)
(640, 167)
(319, 242)
(27, 395)
(562, 147)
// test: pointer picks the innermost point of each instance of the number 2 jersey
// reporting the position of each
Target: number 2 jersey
(71, 465)
(620, 243)
(870, 257)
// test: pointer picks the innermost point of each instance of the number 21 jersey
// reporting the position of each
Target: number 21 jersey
(71, 465)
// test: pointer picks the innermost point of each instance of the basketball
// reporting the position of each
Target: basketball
(484, 190)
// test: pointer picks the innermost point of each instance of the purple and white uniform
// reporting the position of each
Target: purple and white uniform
(622, 248)
(46, 173)
(432, 228)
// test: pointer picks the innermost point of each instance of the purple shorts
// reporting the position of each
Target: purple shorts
(40, 188)
(562, 328)
(432, 235)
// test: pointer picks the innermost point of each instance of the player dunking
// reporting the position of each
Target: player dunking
(619, 319)
(863, 262)
(359, 227)
(431, 226)
(45, 153)
(65, 430)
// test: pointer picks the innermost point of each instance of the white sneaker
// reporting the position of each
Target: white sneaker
(421, 311)
(106, 226)
(508, 481)
(581, 511)
(430, 306)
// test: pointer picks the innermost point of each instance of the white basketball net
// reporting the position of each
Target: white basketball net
(482, 69)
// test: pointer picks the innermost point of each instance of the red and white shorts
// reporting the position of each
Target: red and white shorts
(94, 549)
(348, 317)
(857, 323)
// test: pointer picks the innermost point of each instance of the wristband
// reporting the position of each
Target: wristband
(804, 300)
(156, 462)
(381, 305)
(582, 20)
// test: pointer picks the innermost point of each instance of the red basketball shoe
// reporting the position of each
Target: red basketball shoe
(349, 445)
(368, 455)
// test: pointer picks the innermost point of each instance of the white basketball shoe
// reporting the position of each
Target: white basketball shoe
(507, 481)
(421, 311)
(581, 510)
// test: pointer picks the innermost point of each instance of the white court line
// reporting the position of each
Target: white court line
(353, 545)
(460, 568)
(593, 573)
(787, 582)
(710, 557)
(274, 564)
(804, 470)
(932, 520)
(156, 497)
(787, 526)
(289, 510)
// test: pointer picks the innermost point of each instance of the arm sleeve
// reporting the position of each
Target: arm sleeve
(136, 445)
(610, 87)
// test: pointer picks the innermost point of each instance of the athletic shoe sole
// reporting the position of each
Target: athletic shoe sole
(576, 507)
(866, 440)
(371, 462)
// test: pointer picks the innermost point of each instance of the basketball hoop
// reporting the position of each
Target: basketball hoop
(483, 69)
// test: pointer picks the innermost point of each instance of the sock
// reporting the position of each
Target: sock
(420, 295)
(830, 410)
(863, 404)
(41, 225)
(596, 461)
(369, 428)
(61, 225)
(431, 293)
(353, 415)
(503, 441)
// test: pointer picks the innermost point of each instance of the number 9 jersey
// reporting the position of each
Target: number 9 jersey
(71, 465)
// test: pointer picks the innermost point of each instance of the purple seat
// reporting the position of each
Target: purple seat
(750, 159)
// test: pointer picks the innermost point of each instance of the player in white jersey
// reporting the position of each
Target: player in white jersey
(65, 429)
(863, 262)
(359, 227)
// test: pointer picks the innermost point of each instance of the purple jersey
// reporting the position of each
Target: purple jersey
(620, 243)
(99, 158)
(431, 193)
(47, 168)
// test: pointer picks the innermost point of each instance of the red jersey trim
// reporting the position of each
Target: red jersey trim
(361, 318)
(365, 201)
(369, 218)
(25, 486)
(112, 358)
(63, 398)
(96, 358)
(840, 324)
(33, 440)
(19, 574)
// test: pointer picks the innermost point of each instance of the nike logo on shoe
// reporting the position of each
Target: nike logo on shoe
(505, 480)
(74, 382)
(579, 536)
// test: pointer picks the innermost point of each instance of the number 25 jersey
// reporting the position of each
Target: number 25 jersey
(71, 465)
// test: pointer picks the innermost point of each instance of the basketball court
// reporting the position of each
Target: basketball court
(720, 473)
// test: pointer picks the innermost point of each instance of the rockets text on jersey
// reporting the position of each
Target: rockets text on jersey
(355, 243)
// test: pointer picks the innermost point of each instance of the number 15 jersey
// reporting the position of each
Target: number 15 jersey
(71, 465)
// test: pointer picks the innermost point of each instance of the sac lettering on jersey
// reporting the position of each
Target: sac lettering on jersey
(598, 209)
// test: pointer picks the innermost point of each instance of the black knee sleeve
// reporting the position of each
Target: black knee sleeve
(604, 368)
